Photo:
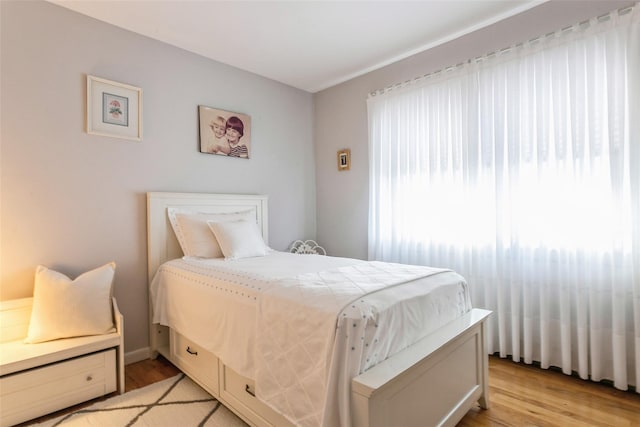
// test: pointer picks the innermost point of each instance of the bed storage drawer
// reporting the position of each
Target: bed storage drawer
(39, 391)
(239, 392)
(192, 359)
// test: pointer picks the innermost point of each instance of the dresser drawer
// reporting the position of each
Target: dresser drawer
(39, 391)
(239, 392)
(199, 364)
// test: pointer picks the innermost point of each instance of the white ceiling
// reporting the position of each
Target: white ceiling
(310, 45)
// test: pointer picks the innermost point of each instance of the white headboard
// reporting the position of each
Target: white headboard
(162, 244)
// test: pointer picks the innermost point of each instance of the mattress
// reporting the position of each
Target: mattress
(304, 325)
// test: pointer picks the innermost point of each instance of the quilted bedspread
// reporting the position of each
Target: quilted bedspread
(317, 331)
(303, 326)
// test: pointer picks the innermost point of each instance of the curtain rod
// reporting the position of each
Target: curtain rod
(580, 25)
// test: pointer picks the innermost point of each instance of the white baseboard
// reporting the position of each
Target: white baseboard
(137, 355)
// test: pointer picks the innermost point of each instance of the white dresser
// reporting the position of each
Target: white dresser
(37, 379)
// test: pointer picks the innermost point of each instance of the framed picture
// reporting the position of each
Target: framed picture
(344, 160)
(224, 132)
(113, 109)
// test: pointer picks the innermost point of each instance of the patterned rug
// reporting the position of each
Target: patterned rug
(176, 401)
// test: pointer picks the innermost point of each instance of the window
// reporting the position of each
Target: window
(522, 172)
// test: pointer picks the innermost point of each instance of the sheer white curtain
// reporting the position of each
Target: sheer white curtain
(522, 172)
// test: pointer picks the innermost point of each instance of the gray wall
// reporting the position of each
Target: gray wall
(340, 116)
(73, 201)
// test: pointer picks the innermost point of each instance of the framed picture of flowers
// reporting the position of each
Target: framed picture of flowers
(114, 109)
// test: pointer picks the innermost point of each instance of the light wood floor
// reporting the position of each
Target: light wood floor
(524, 395)
(520, 396)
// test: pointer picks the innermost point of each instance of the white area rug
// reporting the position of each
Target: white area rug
(174, 402)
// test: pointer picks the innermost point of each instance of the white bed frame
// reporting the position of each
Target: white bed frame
(432, 383)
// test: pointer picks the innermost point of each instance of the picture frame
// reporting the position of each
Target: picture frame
(113, 109)
(344, 160)
(225, 133)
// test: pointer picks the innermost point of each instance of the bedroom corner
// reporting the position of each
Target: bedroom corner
(73, 201)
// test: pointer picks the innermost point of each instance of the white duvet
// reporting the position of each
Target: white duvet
(303, 325)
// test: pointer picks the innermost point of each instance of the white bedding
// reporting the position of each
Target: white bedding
(247, 311)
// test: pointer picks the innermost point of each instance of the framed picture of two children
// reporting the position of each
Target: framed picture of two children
(224, 132)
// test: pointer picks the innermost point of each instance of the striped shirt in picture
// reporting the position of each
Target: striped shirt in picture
(239, 151)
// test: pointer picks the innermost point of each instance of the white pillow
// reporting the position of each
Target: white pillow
(193, 234)
(64, 308)
(239, 239)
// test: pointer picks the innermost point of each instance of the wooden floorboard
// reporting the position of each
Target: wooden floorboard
(147, 372)
(525, 395)
(520, 396)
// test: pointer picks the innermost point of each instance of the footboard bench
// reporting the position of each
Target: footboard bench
(434, 382)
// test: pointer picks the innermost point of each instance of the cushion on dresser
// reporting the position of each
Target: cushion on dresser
(64, 308)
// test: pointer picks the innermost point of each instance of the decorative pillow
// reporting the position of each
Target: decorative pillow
(239, 239)
(194, 235)
(65, 308)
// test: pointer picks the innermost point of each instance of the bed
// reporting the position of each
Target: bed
(244, 346)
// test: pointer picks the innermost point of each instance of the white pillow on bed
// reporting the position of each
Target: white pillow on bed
(239, 239)
(194, 235)
(65, 308)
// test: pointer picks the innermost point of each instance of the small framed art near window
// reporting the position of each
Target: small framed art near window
(114, 109)
(344, 160)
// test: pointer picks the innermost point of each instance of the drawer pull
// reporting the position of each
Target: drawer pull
(248, 390)
(195, 353)
(89, 378)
